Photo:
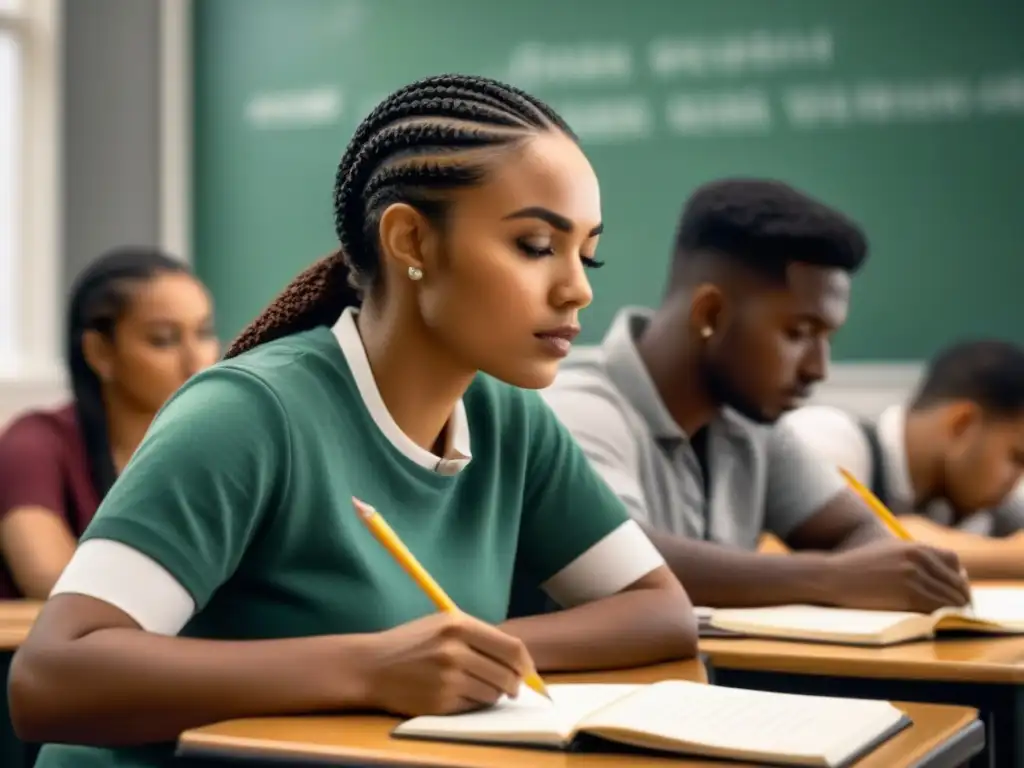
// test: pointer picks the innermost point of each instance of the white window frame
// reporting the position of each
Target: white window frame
(39, 376)
(176, 127)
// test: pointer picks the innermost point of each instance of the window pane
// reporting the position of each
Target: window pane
(10, 219)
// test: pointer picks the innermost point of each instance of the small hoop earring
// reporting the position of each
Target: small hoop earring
(706, 332)
(415, 273)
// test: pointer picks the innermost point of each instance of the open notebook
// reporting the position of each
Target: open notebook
(997, 610)
(681, 717)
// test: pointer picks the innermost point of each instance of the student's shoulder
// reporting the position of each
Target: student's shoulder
(258, 392)
(291, 358)
(38, 432)
(823, 422)
(831, 434)
(584, 391)
(820, 427)
(283, 370)
(509, 405)
(1008, 516)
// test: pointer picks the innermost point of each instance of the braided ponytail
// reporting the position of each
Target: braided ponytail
(316, 297)
(395, 156)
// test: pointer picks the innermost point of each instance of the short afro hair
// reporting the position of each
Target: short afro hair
(987, 372)
(765, 225)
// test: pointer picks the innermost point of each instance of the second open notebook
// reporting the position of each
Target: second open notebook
(997, 610)
(680, 717)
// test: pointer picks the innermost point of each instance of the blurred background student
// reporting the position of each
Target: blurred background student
(949, 460)
(138, 325)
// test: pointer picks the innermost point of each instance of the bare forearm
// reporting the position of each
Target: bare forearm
(630, 629)
(36, 545)
(36, 584)
(869, 532)
(982, 557)
(118, 687)
(720, 577)
(998, 562)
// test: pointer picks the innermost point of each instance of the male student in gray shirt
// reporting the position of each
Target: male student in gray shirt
(676, 410)
(950, 461)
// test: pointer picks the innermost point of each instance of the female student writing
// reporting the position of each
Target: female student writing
(227, 574)
(138, 325)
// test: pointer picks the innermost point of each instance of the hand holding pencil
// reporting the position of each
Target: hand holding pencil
(450, 659)
(885, 516)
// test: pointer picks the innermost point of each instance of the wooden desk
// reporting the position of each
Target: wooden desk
(16, 619)
(940, 736)
(998, 660)
(19, 611)
(986, 674)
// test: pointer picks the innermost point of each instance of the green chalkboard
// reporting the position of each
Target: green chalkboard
(907, 114)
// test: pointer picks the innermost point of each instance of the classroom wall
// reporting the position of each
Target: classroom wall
(112, 186)
(111, 123)
(906, 115)
(127, 151)
(863, 389)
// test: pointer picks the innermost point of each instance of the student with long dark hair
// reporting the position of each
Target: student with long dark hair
(228, 575)
(138, 325)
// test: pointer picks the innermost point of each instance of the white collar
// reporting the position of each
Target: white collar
(456, 451)
(892, 436)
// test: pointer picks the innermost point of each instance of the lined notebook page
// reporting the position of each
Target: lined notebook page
(727, 720)
(811, 618)
(1003, 605)
(530, 713)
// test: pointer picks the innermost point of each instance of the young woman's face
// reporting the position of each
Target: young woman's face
(507, 286)
(164, 336)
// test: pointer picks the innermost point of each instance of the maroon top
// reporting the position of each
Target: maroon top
(43, 464)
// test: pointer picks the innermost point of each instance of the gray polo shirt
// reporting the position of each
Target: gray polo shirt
(838, 435)
(762, 478)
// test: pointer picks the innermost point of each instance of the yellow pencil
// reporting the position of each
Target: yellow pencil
(390, 541)
(881, 511)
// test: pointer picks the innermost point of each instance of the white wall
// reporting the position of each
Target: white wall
(123, 151)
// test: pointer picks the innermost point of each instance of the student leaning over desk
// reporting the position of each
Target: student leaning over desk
(466, 215)
(676, 410)
(950, 461)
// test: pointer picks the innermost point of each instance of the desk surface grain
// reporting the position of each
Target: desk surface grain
(977, 660)
(16, 619)
(963, 658)
(367, 738)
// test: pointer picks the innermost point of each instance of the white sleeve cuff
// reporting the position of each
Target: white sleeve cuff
(129, 580)
(622, 557)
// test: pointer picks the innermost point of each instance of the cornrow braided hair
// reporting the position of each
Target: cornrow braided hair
(423, 140)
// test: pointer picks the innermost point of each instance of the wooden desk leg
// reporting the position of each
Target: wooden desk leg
(709, 668)
(13, 751)
(1001, 707)
(1005, 728)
